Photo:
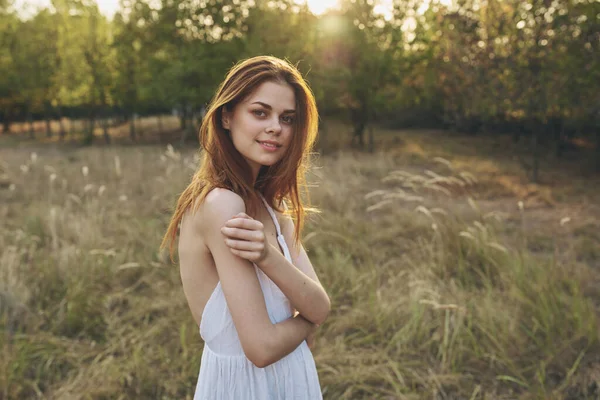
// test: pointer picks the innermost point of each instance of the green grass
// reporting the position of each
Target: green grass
(433, 295)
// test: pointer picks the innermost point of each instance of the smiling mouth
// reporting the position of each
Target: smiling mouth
(268, 145)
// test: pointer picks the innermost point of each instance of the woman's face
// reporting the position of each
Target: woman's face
(267, 115)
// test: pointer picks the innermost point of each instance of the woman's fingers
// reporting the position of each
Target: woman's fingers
(242, 216)
(245, 223)
(243, 228)
(243, 234)
(245, 237)
(244, 245)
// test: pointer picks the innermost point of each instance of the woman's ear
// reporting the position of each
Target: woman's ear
(225, 118)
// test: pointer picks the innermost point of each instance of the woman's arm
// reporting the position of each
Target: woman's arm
(263, 342)
(306, 295)
(298, 281)
(300, 259)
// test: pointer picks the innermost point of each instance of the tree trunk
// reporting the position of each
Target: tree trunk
(371, 139)
(61, 125)
(139, 127)
(597, 149)
(6, 126)
(105, 130)
(359, 131)
(31, 127)
(159, 123)
(89, 134)
(61, 133)
(182, 121)
(48, 128)
(132, 133)
(71, 129)
(359, 118)
(559, 138)
(535, 153)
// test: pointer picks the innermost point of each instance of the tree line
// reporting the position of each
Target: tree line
(528, 68)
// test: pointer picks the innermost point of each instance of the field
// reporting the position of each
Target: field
(450, 276)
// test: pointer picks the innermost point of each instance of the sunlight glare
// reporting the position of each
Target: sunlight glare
(319, 7)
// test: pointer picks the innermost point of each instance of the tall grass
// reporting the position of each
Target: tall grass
(432, 297)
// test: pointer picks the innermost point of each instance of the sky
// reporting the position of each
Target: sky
(109, 7)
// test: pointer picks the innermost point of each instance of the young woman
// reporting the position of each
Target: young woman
(248, 281)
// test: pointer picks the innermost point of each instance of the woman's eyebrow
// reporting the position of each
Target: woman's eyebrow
(268, 107)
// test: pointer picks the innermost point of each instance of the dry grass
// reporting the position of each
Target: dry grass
(439, 289)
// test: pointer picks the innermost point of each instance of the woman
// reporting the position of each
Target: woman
(248, 281)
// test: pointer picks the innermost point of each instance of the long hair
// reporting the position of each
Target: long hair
(222, 166)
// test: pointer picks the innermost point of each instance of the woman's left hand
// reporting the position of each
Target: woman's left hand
(246, 238)
(311, 339)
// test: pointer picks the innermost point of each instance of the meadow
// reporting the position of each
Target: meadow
(450, 276)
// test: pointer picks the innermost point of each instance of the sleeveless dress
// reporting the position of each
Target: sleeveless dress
(225, 371)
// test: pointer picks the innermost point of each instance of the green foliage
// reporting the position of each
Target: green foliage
(518, 66)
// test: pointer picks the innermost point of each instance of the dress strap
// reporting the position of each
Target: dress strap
(280, 237)
(273, 216)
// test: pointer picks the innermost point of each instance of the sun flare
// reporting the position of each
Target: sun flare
(381, 7)
(319, 7)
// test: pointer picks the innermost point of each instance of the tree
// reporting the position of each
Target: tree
(11, 100)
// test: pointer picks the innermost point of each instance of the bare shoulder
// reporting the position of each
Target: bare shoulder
(220, 199)
(219, 205)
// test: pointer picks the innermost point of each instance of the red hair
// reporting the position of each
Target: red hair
(222, 166)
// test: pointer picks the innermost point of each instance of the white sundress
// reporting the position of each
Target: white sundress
(225, 371)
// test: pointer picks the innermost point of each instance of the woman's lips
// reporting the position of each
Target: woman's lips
(268, 147)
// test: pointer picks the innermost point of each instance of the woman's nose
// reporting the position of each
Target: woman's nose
(275, 126)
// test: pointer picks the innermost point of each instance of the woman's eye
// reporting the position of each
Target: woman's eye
(259, 113)
(288, 119)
